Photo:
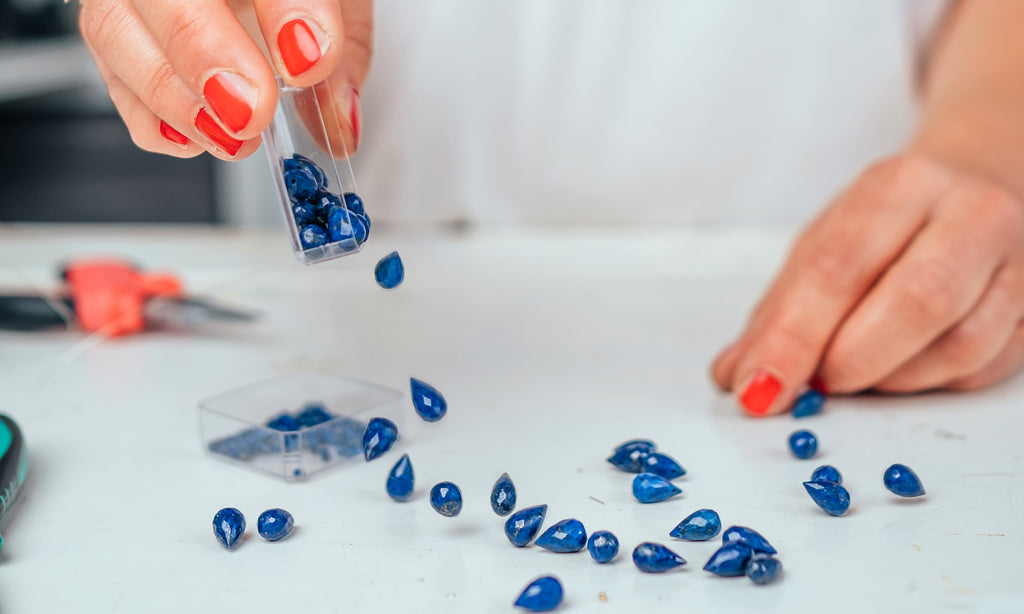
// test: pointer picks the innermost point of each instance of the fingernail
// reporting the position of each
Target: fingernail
(355, 114)
(299, 47)
(231, 98)
(172, 135)
(208, 126)
(818, 384)
(760, 392)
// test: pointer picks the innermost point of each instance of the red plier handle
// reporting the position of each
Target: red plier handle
(111, 295)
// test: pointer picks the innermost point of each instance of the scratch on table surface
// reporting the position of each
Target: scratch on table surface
(944, 434)
(595, 499)
(979, 534)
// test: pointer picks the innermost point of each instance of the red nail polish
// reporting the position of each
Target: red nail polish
(208, 126)
(355, 116)
(818, 384)
(759, 394)
(228, 99)
(298, 46)
(172, 135)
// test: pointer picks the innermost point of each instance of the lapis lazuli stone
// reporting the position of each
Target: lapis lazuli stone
(699, 526)
(339, 226)
(603, 546)
(827, 473)
(284, 422)
(325, 203)
(808, 404)
(389, 271)
(763, 569)
(304, 214)
(401, 479)
(803, 444)
(654, 558)
(663, 465)
(503, 496)
(446, 499)
(829, 496)
(427, 401)
(300, 183)
(523, 526)
(275, 524)
(228, 526)
(567, 535)
(630, 456)
(360, 227)
(354, 203)
(749, 538)
(900, 480)
(312, 236)
(729, 560)
(379, 436)
(650, 488)
(312, 415)
(541, 595)
(300, 161)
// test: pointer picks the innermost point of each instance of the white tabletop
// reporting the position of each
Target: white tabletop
(551, 347)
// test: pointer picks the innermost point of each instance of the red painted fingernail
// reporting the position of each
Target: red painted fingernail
(355, 115)
(759, 394)
(299, 49)
(818, 384)
(172, 135)
(208, 126)
(231, 99)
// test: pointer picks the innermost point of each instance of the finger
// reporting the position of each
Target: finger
(343, 117)
(304, 37)
(1005, 364)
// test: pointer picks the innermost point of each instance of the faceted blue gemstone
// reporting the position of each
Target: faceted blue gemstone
(900, 480)
(312, 236)
(808, 404)
(699, 526)
(400, 480)
(324, 203)
(541, 595)
(523, 526)
(228, 526)
(360, 227)
(354, 203)
(630, 455)
(312, 415)
(763, 569)
(427, 401)
(379, 436)
(284, 422)
(655, 558)
(603, 546)
(803, 444)
(663, 465)
(749, 538)
(567, 535)
(389, 271)
(339, 225)
(827, 473)
(503, 496)
(729, 560)
(829, 496)
(304, 214)
(446, 499)
(275, 524)
(300, 183)
(650, 488)
(300, 161)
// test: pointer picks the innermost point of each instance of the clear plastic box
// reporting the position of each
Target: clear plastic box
(244, 426)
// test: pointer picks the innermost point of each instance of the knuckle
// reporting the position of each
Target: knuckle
(832, 265)
(966, 345)
(99, 21)
(158, 84)
(928, 291)
(183, 26)
(906, 171)
(791, 342)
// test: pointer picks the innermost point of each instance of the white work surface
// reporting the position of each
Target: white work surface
(551, 347)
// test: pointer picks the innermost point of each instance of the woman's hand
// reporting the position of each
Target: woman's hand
(187, 77)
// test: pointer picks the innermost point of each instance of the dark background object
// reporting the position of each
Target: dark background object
(36, 18)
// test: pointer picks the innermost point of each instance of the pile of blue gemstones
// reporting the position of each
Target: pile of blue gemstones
(229, 525)
(654, 470)
(319, 214)
(332, 435)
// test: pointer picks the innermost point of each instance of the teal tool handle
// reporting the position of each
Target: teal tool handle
(13, 467)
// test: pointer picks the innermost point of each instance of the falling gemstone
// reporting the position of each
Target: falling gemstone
(630, 456)
(603, 546)
(650, 488)
(900, 480)
(699, 526)
(762, 569)
(389, 271)
(523, 526)
(650, 557)
(663, 465)
(503, 496)
(749, 538)
(275, 524)
(567, 535)
(401, 479)
(427, 401)
(541, 595)
(446, 499)
(827, 473)
(808, 404)
(829, 496)
(228, 526)
(379, 436)
(729, 560)
(803, 444)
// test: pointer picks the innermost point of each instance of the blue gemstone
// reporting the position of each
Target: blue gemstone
(827, 473)
(354, 203)
(567, 535)
(360, 227)
(829, 496)
(900, 480)
(300, 161)
(541, 595)
(523, 526)
(304, 214)
(379, 436)
(339, 225)
(446, 499)
(389, 271)
(312, 415)
(503, 496)
(312, 236)
(275, 524)
(663, 465)
(729, 560)
(699, 526)
(300, 183)
(284, 422)
(803, 444)
(228, 526)
(603, 546)
(630, 455)
(808, 404)
(650, 488)
(762, 569)
(324, 203)
(427, 401)
(655, 558)
(749, 538)
(401, 479)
